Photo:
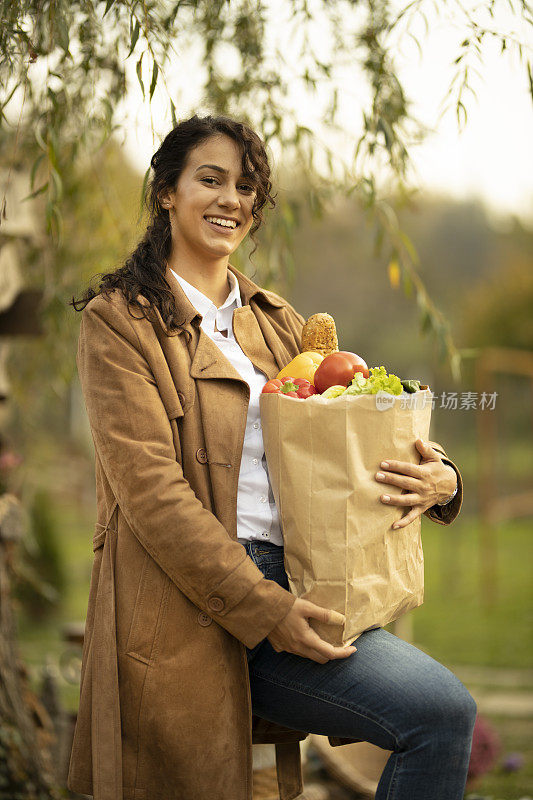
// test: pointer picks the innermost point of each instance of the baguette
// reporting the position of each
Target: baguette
(319, 335)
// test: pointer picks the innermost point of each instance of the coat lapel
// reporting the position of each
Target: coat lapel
(251, 341)
(208, 360)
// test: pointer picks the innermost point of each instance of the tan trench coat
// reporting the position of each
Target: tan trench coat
(165, 708)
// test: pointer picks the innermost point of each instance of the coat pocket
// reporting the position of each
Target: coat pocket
(150, 603)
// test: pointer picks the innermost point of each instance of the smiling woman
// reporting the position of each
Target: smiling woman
(212, 174)
(193, 639)
(210, 212)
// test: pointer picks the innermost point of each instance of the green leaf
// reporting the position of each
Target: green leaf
(108, 6)
(407, 284)
(39, 138)
(173, 113)
(134, 37)
(455, 366)
(461, 108)
(425, 322)
(37, 192)
(409, 246)
(62, 32)
(12, 92)
(155, 73)
(34, 169)
(58, 184)
(143, 194)
(138, 70)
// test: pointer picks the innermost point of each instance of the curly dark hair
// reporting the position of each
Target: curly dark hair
(144, 271)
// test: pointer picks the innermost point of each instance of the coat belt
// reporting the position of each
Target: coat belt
(105, 713)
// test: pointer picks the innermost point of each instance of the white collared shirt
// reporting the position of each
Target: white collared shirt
(257, 515)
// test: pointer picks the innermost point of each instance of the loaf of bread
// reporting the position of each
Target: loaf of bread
(319, 335)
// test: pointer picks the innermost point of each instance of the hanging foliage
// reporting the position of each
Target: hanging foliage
(65, 69)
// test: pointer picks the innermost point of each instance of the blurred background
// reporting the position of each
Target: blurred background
(400, 141)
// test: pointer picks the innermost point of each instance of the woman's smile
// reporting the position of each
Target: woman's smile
(223, 225)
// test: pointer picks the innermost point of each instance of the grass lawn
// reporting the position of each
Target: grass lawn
(455, 623)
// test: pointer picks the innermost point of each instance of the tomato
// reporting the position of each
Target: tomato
(290, 387)
(307, 391)
(305, 387)
(338, 368)
(360, 365)
(272, 386)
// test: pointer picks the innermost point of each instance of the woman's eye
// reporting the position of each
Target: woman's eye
(211, 181)
(247, 188)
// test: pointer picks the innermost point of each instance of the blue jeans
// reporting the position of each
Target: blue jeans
(387, 693)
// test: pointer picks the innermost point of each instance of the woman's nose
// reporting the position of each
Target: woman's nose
(228, 197)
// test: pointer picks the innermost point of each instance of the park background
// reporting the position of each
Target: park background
(464, 212)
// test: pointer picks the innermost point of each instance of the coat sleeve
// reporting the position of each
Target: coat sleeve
(133, 439)
(444, 515)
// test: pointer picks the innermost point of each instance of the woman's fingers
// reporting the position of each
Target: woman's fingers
(401, 499)
(396, 479)
(415, 512)
(403, 467)
(327, 615)
(319, 649)
(314, 646)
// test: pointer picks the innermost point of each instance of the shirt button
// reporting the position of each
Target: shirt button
(263, 499)
(256, 425)
(204, 619)
(265, 534)
(255, 461)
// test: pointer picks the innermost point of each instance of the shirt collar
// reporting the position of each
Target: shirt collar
(208, 310)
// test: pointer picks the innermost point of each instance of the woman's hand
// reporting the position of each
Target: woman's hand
(295, 635)
(428, 483)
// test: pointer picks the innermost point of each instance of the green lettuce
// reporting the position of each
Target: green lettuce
(378, 381)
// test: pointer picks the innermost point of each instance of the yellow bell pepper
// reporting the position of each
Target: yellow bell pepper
(303, 365)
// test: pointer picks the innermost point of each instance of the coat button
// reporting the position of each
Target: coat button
(201, 455)
(215, 603)
(204, 619)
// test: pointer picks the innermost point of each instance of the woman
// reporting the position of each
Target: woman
(182, 623)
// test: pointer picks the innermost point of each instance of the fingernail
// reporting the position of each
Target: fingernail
(386, 498)
(380, 476)
(385, 464)
(395, 525)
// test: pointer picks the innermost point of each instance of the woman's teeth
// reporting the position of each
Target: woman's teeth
(226, 223)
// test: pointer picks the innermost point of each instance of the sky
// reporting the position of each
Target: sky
(491, 159)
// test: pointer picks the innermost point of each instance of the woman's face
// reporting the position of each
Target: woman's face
(211, 207)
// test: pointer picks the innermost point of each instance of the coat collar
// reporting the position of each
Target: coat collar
(187, 313)
(261, 346)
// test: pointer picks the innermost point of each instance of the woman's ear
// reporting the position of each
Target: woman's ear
(165, 198)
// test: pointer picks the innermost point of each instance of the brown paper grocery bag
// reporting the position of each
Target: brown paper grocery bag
(340, 549)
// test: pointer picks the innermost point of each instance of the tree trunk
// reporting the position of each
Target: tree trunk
(26, 732)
